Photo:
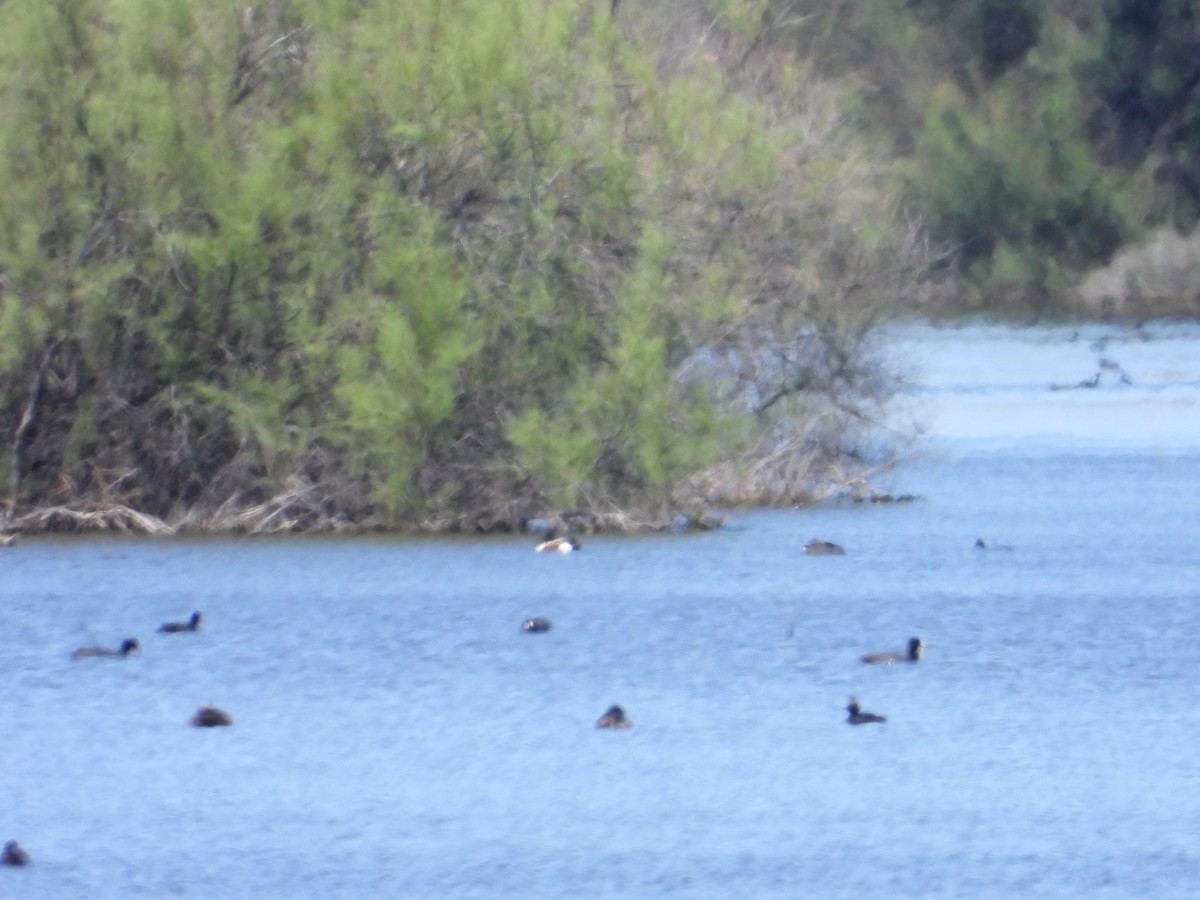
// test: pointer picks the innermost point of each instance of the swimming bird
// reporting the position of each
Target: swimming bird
(980, 545)
(858, 717)
(7, 540)
(916, 647)
(536, 625)
(13, 855)
(127, 646)
(818, 547)
(192, 624)
(614, 718)
(559, 545)
(211, 717)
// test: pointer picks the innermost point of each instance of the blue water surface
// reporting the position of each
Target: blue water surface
(397, 735)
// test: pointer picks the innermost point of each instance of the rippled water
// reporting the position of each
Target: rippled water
(396, 734)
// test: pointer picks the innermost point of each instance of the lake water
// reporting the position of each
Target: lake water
(397, 735)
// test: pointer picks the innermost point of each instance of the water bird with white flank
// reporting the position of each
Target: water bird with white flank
(916, 648)
(567, 544)
(127, 646)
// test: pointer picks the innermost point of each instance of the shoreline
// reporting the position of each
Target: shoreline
(117, 519)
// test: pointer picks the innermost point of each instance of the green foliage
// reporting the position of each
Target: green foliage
(1009, 178)
(413, 261)
(627, 426)
(1145, 75)
(1049, 131)
(403, 341)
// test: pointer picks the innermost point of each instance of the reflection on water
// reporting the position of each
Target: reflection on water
(397, 734)
(1129, 388)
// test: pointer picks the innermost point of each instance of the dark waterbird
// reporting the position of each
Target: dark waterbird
(211, 717)
(13, 855)
(916, 647)
(192, 624)
(614, 718)
(858, 717)
(818, 547)
(980, 545)
(536, 625)
(127, 646)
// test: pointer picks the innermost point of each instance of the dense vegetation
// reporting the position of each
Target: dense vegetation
(426, 264)
(1036, 138)
(432, 264)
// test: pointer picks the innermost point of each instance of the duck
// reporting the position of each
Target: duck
(559, 545)
(536, 625)
(916, 647)
(858, 717)
(8, 539)
(980, 545)
(210, 717)
(614, 717)
(192, 624)
(127, 646)
(14, 855)
(818, 547)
